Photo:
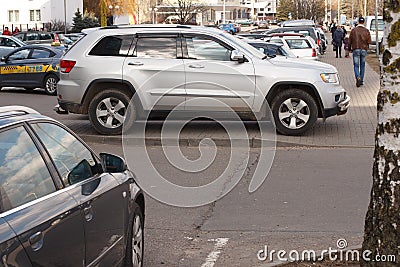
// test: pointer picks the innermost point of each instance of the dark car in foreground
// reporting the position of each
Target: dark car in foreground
(37, 37)
(31, 67)
(61, 204)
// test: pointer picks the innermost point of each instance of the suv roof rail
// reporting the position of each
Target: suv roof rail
(136, 26)
(22, 109)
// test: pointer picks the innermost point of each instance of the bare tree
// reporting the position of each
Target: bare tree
(186, 10)
(382, 222)
(301, 9)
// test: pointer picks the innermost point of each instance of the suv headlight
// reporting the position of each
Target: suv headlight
(330, 77)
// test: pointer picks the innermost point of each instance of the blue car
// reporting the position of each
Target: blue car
(228, 27)
(31, 67)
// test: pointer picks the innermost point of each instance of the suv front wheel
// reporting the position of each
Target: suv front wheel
(107, 111)
(295, 112)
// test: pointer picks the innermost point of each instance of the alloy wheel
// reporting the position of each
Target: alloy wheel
(111, 112)
(294, 113)
(137, 242)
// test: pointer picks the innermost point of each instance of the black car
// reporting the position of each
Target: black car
(31, 67)
(61, 204)
(37, 37)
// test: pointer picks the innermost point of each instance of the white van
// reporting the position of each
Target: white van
(370, 25)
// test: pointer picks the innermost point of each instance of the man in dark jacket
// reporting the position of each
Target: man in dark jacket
(338, 37)
(359, 41)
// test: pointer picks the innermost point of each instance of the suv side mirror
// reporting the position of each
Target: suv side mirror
(113, 163)
(238, 56)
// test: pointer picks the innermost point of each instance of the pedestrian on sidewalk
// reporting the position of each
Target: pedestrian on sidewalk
(7, 31)
(346, 46)
(337, 37)
(359, 41)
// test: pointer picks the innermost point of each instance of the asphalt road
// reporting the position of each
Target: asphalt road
(310, 199)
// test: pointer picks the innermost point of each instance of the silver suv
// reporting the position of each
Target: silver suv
(167, 66)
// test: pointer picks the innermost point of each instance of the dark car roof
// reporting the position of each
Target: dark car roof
(10, 115)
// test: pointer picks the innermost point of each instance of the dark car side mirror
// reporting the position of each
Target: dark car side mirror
(3, 59)
(113, 163)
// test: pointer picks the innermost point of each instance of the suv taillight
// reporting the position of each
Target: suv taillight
(66, 65)
(314, 53)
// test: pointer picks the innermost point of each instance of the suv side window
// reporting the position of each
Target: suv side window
(73, 160)
(24, 176)
(205, 48)
(117, 45)
(156, 47)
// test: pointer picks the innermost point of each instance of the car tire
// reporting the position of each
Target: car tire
(289, 120)
(135, 242)
(50, 84)
(107, 111)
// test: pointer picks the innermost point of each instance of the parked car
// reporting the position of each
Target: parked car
(31, 67)
(38, 37)
(228, 27)
(298, 23)
(251, 35)
(300, 46)
(305, 30)
(370, 25)
(324, 42)
(61, 204)
(191, 62)
(8, 44)
(263, 24)
(271, 49)
(244, 22)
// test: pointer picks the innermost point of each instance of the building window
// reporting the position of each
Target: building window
(13, 15)
(34, 15)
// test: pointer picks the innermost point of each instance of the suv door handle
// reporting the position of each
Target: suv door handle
(36, 241)
(196, 66)
(135, 64)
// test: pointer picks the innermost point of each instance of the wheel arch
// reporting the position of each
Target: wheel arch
(99, 85)
(307, 87)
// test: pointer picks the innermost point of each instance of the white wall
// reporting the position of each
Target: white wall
(49, 9)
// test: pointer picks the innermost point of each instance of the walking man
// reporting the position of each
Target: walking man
(359, 41)
(338, 36)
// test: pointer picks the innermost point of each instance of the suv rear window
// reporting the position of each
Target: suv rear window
(112, 46)
(298, 43)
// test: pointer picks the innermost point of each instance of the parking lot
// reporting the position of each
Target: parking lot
(316, 192)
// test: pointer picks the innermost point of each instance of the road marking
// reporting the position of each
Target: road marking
(214, 255)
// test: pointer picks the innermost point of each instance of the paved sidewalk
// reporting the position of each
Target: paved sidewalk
(354, 129)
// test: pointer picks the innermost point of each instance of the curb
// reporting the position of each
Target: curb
(194, 142)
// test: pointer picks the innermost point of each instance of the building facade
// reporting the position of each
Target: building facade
(28, 14)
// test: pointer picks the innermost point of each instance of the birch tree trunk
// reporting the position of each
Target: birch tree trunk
(382, 222)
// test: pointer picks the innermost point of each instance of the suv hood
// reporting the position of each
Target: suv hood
(298, 63)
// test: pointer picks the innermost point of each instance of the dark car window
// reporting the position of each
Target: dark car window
(156, 47)
(112, 46)
(45, 36)
(40, 53)
(204, 48)
(23, 174)
(7, 42)
(31, 36)
(20, 55)
(20, 36)
(67, 152)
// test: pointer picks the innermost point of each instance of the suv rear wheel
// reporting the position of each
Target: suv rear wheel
(107, 111)
(295, 112)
